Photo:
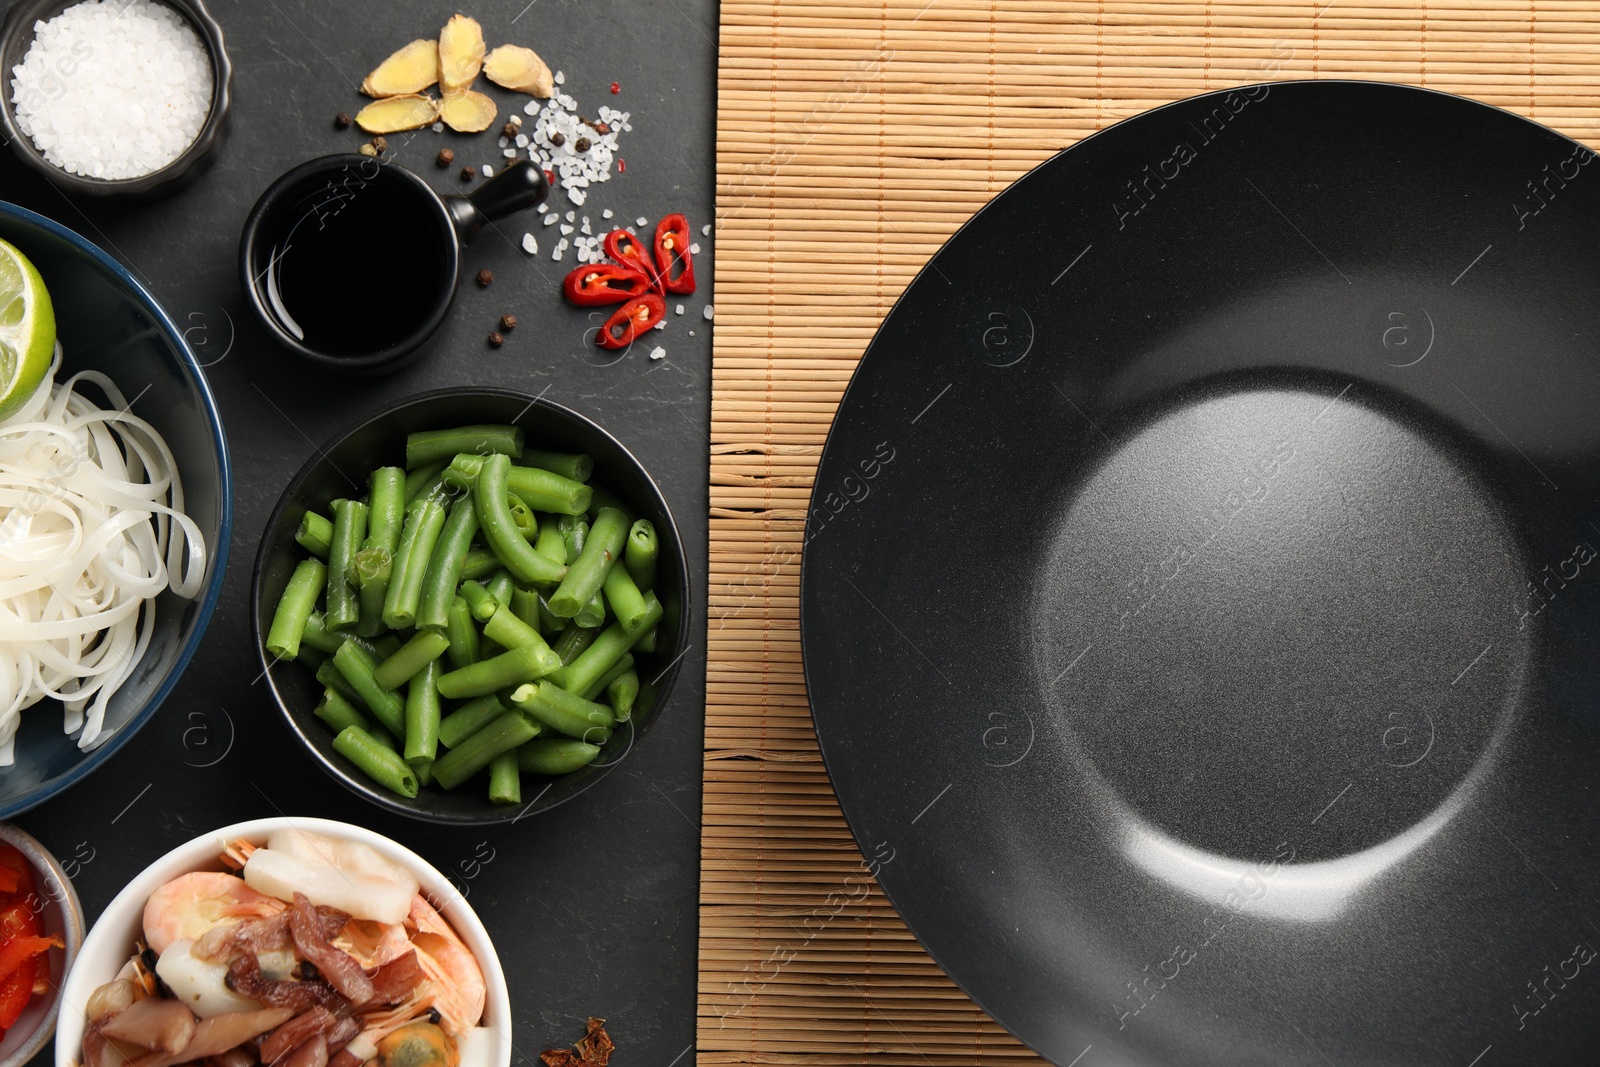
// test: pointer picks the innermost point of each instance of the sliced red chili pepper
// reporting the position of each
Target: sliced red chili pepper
(672, 251)
(22, 947)
(604, 283)
(630, 320)
(625, 248)
(16, 989)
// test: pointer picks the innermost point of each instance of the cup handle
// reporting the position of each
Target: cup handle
(520, 185)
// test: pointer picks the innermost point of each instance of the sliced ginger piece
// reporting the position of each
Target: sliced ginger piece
(410, 70)
(520, 69)
(460, 53)
(466, 111)
(395, 113)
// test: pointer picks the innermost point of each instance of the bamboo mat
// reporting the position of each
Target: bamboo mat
(853, 137)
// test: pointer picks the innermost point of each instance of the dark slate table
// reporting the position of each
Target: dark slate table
(593, 905)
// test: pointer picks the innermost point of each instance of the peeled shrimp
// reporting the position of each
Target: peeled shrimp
(458, 991)
(189, 905)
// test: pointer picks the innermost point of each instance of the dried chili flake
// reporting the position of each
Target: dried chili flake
(593, 1050)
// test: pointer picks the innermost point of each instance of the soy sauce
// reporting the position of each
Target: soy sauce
(362, 261)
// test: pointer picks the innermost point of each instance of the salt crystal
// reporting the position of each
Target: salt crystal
(561, 78)
(510, 153)
(705, 231)
(437, 127)
(658, 352)
(503, 142)
(606, 214)
(660, 326)
(522, 140)
(565, 229)
(679, 309)
(707, 312)
(531, 246)
(488, 171)
(516, 120)
(550, 220)
(586, 229)
(641, 221)
(694, 249)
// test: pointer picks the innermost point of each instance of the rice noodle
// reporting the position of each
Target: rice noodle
(92, 529)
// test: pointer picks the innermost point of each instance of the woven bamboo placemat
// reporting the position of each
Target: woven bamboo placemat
(853, 137)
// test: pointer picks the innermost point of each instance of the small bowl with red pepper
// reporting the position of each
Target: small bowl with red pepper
(638, 279)
(41, 929)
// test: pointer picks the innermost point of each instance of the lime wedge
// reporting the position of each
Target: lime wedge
(27, 329)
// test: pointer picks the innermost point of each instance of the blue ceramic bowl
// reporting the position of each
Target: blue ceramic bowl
(106, 321)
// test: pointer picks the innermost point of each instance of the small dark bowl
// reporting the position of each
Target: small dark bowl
(379, 441)
(16, 36)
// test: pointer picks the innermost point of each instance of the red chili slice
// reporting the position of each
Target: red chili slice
(630, 320)
(604, 283)
(625, 248)
(672, 252)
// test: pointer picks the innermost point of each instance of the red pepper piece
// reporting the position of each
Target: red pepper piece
(16, 989)
(625, 248)
(672, 251)
(603, 283)
(630, 320)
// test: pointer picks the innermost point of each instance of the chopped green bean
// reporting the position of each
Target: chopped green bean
(549, 625)
(511, 667)
(330, 677)
(474, 753)
(425, 446)
(501, 585)
(624, 598)
(378, 762)
(373, 566)
(311, 657)
(605, 498)
(525, 606)
(641, 552)
(576, 467)
(555, 755)
(541, 490)
(423, 769)
(443, 570)
(422, 715)
(647, 641)
(600, 684)
(622, 691)
(318, 636)
(564, 713)
(299, 599)
(482, 602)
(505, 783)
(574, 533)
(338, 712)
(424, 521)
(480, 563)
(425, 647)
(588, 572)
(349, 530)
(469, 718)
(501, 531)
(594, 661)
(461, 633)
(573, 640)
(522, 515)
(386, 510)
(357, 666)
(505, 629)
(423, 478)
(315, 534)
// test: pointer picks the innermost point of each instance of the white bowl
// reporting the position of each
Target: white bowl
(59, 913)
(110, 943)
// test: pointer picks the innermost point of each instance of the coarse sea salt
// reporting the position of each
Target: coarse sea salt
(113, 89)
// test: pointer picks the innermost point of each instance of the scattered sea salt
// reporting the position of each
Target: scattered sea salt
(606, 214)
(707, 313)
(679, 309)
(437, 127)
(571, 215)
(705, 231)
(516, 120)
(658, 352)
(488, 171)
(551, 220)
(565, 229)
(641, 221)
(561, 78)
(113, 90)
(694, 249)
(529, 245)
(522, 140)
(503, 142)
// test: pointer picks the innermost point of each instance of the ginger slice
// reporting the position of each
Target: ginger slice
(520, 69)
(395, 113)
(410, 70)
(466, 111)
(461, 51)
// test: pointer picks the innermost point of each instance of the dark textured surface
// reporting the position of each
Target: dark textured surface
(593, 905)
(1243, 569)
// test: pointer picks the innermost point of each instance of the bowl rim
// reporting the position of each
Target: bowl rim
(665, 680)
(193, 855)
(20, 18)
(49, 871)
(218, 564)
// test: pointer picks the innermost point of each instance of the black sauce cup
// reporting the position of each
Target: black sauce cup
(379, 256)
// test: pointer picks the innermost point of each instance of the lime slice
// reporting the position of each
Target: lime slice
(27, 329)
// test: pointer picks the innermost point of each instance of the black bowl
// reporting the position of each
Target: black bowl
(380, 440)
(16, 36)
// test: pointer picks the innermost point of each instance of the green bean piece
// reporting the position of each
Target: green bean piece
(380, 648)
(338, 712)
(522, 515)
(423, 715)
(315, 534)
(474, 753)
(622, 691)
(541, 490)
(443, 571)
(511, 667)
(311, 657)
(624, 598)
(600, 684)
(576, 467)
(373, 566)
(423, 478)
(505, 783)
(555, 755)
(564, 713)
(357, 666)
(425, 647)
(588, 572)
(349, 530)
(549, 625)
(501, 585)
(593, 614)
(423, 769)
(574, 534)
(647, 643)
(318, 636)
(507, 630)
(330, 677)
(428, 445)
(500, 531)
(641, 552)
(550, 543)
(462, 634)
(482, 602)
(386, 508)
(605, 498)
(423, 524)
(573, 640)
(525, 606)
(299, 599)
(469, 718)
(594, 661)
(479, 563)
(377, 761)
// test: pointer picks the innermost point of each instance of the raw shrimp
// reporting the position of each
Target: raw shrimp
(372, 943)
(189, 905)
(458, 987)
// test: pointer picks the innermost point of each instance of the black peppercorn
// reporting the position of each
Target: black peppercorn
(582, 145)
(446, 157)
(485, 276)
(342, 120)
(495, 340)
